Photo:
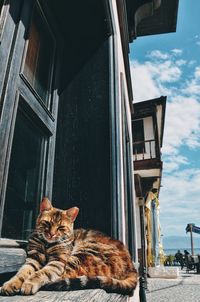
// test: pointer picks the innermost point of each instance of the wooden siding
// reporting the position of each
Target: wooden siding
(148, 164)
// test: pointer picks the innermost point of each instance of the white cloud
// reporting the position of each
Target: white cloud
(165, 71)
(149, 78)
(177, 51)
(197, 73)
(180, 128)
(192, 62)
(160, 75)
(179, 199)
(149, 81)
(193, 85)
(173, 162)
(162, 55)
(181, 62)
(144, 86)
(157, 54)
(192, 88)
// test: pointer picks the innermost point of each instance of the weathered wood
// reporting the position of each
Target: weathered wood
(4, 242)
(9, 16)
(11, 259)
(15, 89)
(8, 243)
(154, 163)
(9, 108)
(97, 295)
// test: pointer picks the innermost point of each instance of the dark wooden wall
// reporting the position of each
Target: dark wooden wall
(82, 162)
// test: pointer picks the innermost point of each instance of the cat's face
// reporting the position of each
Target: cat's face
(55, 224)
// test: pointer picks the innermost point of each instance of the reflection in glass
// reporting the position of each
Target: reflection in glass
(23, 180)
(39, 57)
(1, 4)
(138, 137)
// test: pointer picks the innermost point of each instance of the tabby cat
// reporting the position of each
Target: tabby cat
(61, 258)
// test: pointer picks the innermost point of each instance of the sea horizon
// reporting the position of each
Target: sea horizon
(173, 251)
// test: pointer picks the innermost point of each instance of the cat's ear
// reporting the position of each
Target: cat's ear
(45, 205)
(72, 213)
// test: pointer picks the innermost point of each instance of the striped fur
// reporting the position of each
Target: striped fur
(110, 285)
(61, 258)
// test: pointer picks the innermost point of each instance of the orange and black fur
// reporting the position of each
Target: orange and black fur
(61, 258)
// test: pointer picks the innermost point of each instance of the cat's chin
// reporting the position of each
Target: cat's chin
(51, 240)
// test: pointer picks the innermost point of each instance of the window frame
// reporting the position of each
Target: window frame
(16, 87)
(48, 106)
(34, 123)
(3, 14)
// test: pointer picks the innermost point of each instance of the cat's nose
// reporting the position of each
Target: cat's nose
(52, 234)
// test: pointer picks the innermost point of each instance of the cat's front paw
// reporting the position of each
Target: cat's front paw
(11, 287)
(30, 287)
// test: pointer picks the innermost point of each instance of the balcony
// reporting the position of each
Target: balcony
(146, 155)
(144, 150)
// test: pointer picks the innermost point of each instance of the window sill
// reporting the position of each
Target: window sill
(95, 295)
(5, 242)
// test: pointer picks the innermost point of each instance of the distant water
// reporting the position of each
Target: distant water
(173, 251)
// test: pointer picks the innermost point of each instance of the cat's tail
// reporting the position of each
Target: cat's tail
(111, 285)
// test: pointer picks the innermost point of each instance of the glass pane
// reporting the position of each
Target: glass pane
(39, 56)
(1, 4)
(23, 180)
(138, 137)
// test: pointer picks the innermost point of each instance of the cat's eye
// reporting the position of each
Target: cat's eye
(45, 223)
(61, 228)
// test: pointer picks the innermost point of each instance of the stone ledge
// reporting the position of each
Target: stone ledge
(163, 272)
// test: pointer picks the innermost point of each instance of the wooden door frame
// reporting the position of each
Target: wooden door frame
(13, 87)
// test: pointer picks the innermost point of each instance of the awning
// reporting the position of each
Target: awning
(150, 17)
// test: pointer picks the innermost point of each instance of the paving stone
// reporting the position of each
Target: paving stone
(186, 288)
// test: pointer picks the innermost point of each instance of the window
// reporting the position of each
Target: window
(23, 179)
(28, 127)
(1, 15)
(39, 57)
(1, 4)
(138, 137)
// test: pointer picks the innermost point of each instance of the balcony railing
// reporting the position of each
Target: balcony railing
(143, 150)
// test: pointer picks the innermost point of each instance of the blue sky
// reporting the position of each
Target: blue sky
(169, 64)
